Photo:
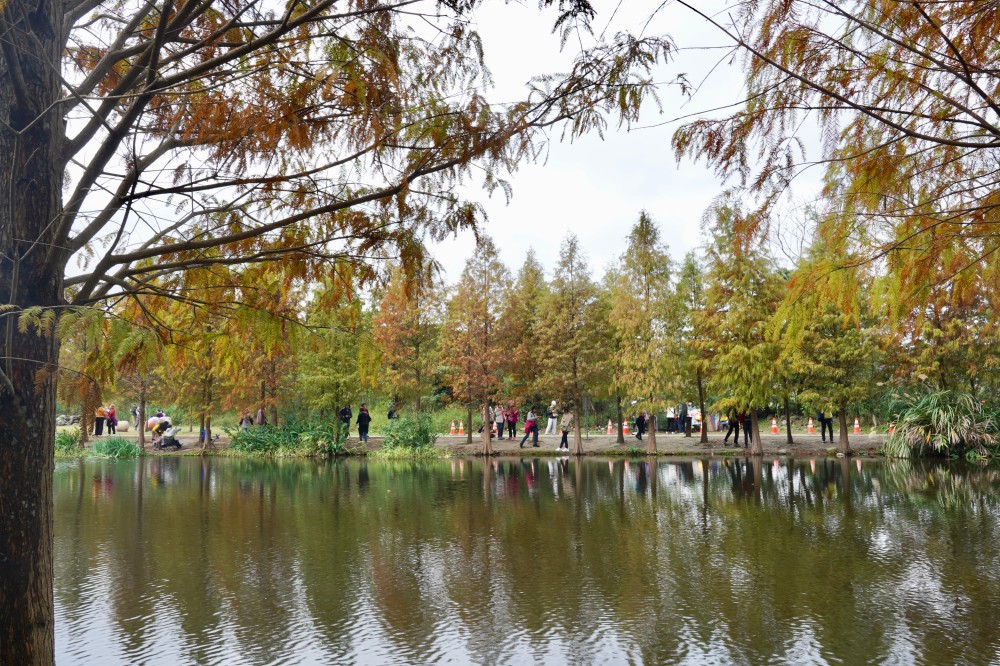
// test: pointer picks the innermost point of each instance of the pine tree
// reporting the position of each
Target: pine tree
(571, 334)
(472, 351)
(645, 359)
(743, 294)
(519, 327)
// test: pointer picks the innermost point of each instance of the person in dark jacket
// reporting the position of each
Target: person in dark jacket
(364, 418)
(640, 425)
(747, 420)
(346, 414)
(733, 421)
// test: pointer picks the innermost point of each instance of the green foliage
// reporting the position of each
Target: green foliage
(116, 447)
(942, 422)
(66, 442)
(293, 440)
(411, 432)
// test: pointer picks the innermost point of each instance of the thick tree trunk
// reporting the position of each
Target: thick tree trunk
(843, 444)
(487, 431)
(208, 433)
(788, 421)
(621, 424)
(651, 437)
(701, 405)
(141, 425)
(32, 262)
(756, 447)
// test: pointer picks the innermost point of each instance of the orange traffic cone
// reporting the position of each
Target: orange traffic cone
(610, 427)
(625, 428)
(452, 428)
(809, 428)
(857, 426)
(892, 428)
(461, 428)
(774, 426)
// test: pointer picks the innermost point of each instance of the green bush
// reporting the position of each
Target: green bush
(66, 442)
(116, 447)
(941, 422)
(411, 432)
(296, 439)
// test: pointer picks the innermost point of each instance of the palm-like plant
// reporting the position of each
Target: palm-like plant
(943, 422)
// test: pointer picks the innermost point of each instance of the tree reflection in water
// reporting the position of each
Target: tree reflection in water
(170, 560)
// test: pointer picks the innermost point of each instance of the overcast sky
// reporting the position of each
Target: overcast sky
(596, 188)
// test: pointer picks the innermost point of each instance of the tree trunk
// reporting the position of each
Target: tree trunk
(756, 447)
(701, 406)
(788, 421)
(621, 424)
(208, 433)
(487, 431)
(141, 425)
(32, 264)
(468, 427)
(577, 433)
(201, 428)
(843, 444)
(651, 436)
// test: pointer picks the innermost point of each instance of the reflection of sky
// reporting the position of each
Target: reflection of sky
(595, 562)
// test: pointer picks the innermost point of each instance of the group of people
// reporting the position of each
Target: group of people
(506, 418)
(105, 416)
(247, 421)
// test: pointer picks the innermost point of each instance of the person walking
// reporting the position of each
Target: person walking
(733, 423)
(112, 420)
(100, 416)
(640, 425)
(552, 414)
(346, 414)
(512, 416)
(826, 421)
(530, 428)
(565, 426)
(364, 419)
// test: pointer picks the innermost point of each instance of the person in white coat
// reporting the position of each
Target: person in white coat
(552, 414)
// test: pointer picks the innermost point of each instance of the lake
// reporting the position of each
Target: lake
(171, 560)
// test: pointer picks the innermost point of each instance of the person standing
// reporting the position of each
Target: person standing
(135, 414)
(246, 420)
(112, 420)
(498, 418)
(565, 426)
(826, 421)
(640, 425)
(100, 416)
(530, 428)
(747, 421)
(346, 414)
(671, 419)
(552, 414)
(512, 416)
(733, 423)
(682, 419)
(261, 418)
(364, 419)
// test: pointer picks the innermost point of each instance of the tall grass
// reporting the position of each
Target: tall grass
(409, 436)
(116, 447)
(942, 423)
(292, 440)
(67, 443)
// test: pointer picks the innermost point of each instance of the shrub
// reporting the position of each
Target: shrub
(294, 439)
(411, 432)
(116, 447)
(66, 442)
(943, 422)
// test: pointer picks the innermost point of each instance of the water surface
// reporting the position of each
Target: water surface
(713, 561)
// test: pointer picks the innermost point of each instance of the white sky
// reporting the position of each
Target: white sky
(597, 188)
